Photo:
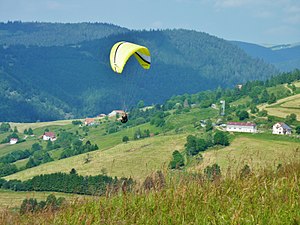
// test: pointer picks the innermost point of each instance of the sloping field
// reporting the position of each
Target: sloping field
(7, 148)
(22, 126)
(284, 107)
(135, 159)
(255, 152)
(11, 199)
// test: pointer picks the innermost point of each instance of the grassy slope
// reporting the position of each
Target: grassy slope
(7, 148)
(121, 159)
(135, 159)
(253, 150)
(13, 199)
(285, 106)
(281, 107)
(138, 158)
(22, 126)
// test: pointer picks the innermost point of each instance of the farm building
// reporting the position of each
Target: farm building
(89, 121)
(241, 127)
(49, 136)
(13, 141)
(281, 128)
(116, 112)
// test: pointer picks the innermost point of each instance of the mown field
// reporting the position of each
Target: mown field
(284, 107)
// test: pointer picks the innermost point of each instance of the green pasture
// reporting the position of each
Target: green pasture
(8, 148)
(22, 126)
(134, 159)
(257, 152)
(13, 199)
(241, 101)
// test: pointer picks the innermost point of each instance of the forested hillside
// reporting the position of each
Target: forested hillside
(56, 82)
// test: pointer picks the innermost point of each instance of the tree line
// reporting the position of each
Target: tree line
(67, 183)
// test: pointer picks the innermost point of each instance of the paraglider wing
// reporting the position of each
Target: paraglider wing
(122, 51)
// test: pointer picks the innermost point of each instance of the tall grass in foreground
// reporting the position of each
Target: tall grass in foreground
(268, 197)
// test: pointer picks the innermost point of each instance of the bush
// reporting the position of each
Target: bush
(125, 139)
(220, 138)
(178, 160)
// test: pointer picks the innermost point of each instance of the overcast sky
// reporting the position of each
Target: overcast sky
(255, 21)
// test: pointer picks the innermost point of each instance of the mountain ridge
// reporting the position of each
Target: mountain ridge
(285, 58)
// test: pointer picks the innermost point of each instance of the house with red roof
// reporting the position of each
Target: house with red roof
(281, 128)
(89, 121)
(49, 136)
(241, 127)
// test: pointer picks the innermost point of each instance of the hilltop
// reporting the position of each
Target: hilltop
(54, 34)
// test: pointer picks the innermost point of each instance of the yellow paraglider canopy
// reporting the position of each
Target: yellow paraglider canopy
(122, 51)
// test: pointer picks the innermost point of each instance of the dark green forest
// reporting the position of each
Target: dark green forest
(42, 82)
(54, 34)
(68, 183)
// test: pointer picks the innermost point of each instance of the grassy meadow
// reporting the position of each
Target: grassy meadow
(258, 153)
(134, 159)
(22, 126)
(284, 107)
(264, 197)
(13, 199)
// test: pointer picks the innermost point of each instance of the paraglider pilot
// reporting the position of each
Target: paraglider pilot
(124, 118)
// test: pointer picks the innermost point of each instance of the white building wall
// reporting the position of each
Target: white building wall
(45, 138)
(279, 130)
(12, 142)
(237, 128)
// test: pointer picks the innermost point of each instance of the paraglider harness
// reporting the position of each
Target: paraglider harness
(124, 118)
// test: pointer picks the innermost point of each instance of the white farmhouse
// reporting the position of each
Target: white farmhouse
(49, 136)
(116, 112)
(241, 127)
(281, 128)
(13, 141)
